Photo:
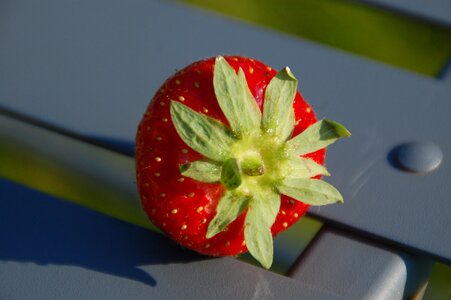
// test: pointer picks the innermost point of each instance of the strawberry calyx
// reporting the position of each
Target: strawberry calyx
(230, 174)
(252, 165)
(253, 157)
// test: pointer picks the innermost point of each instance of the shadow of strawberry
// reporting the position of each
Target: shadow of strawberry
(38, 228)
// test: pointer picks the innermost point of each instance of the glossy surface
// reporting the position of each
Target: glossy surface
(418, 157)
(355, 268)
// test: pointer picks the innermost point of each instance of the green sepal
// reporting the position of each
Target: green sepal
(251, 159)
(310, 191)
(278, 112)
(203, 134)
(235, 98)
(202, 170)
(230, 174)
(318, 136)
(261, 215)
(230, 206)
(300, 167)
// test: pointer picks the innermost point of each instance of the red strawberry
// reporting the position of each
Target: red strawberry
(217, 169)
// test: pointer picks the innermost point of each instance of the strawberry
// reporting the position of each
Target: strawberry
(228, 154)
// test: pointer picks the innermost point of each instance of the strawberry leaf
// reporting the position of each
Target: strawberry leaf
(230, 175)
(278, 113)
(299, 167)
(310, 191)
(235, 98)
(203, 134)
(318, 136)
(230, 206)
(202, 170)
(261, 214)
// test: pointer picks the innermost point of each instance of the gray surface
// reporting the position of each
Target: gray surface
(80, 169)
(104, 181)
(51, 249)
(358, 269)
(435, 10)
(92, 66)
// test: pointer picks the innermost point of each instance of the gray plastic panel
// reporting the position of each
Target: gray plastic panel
(104, 181)
(358, 269)
(92, 66)
(57, 250)
(434, 10)
(404, 207)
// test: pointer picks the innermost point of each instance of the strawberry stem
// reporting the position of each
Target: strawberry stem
(253, 165)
